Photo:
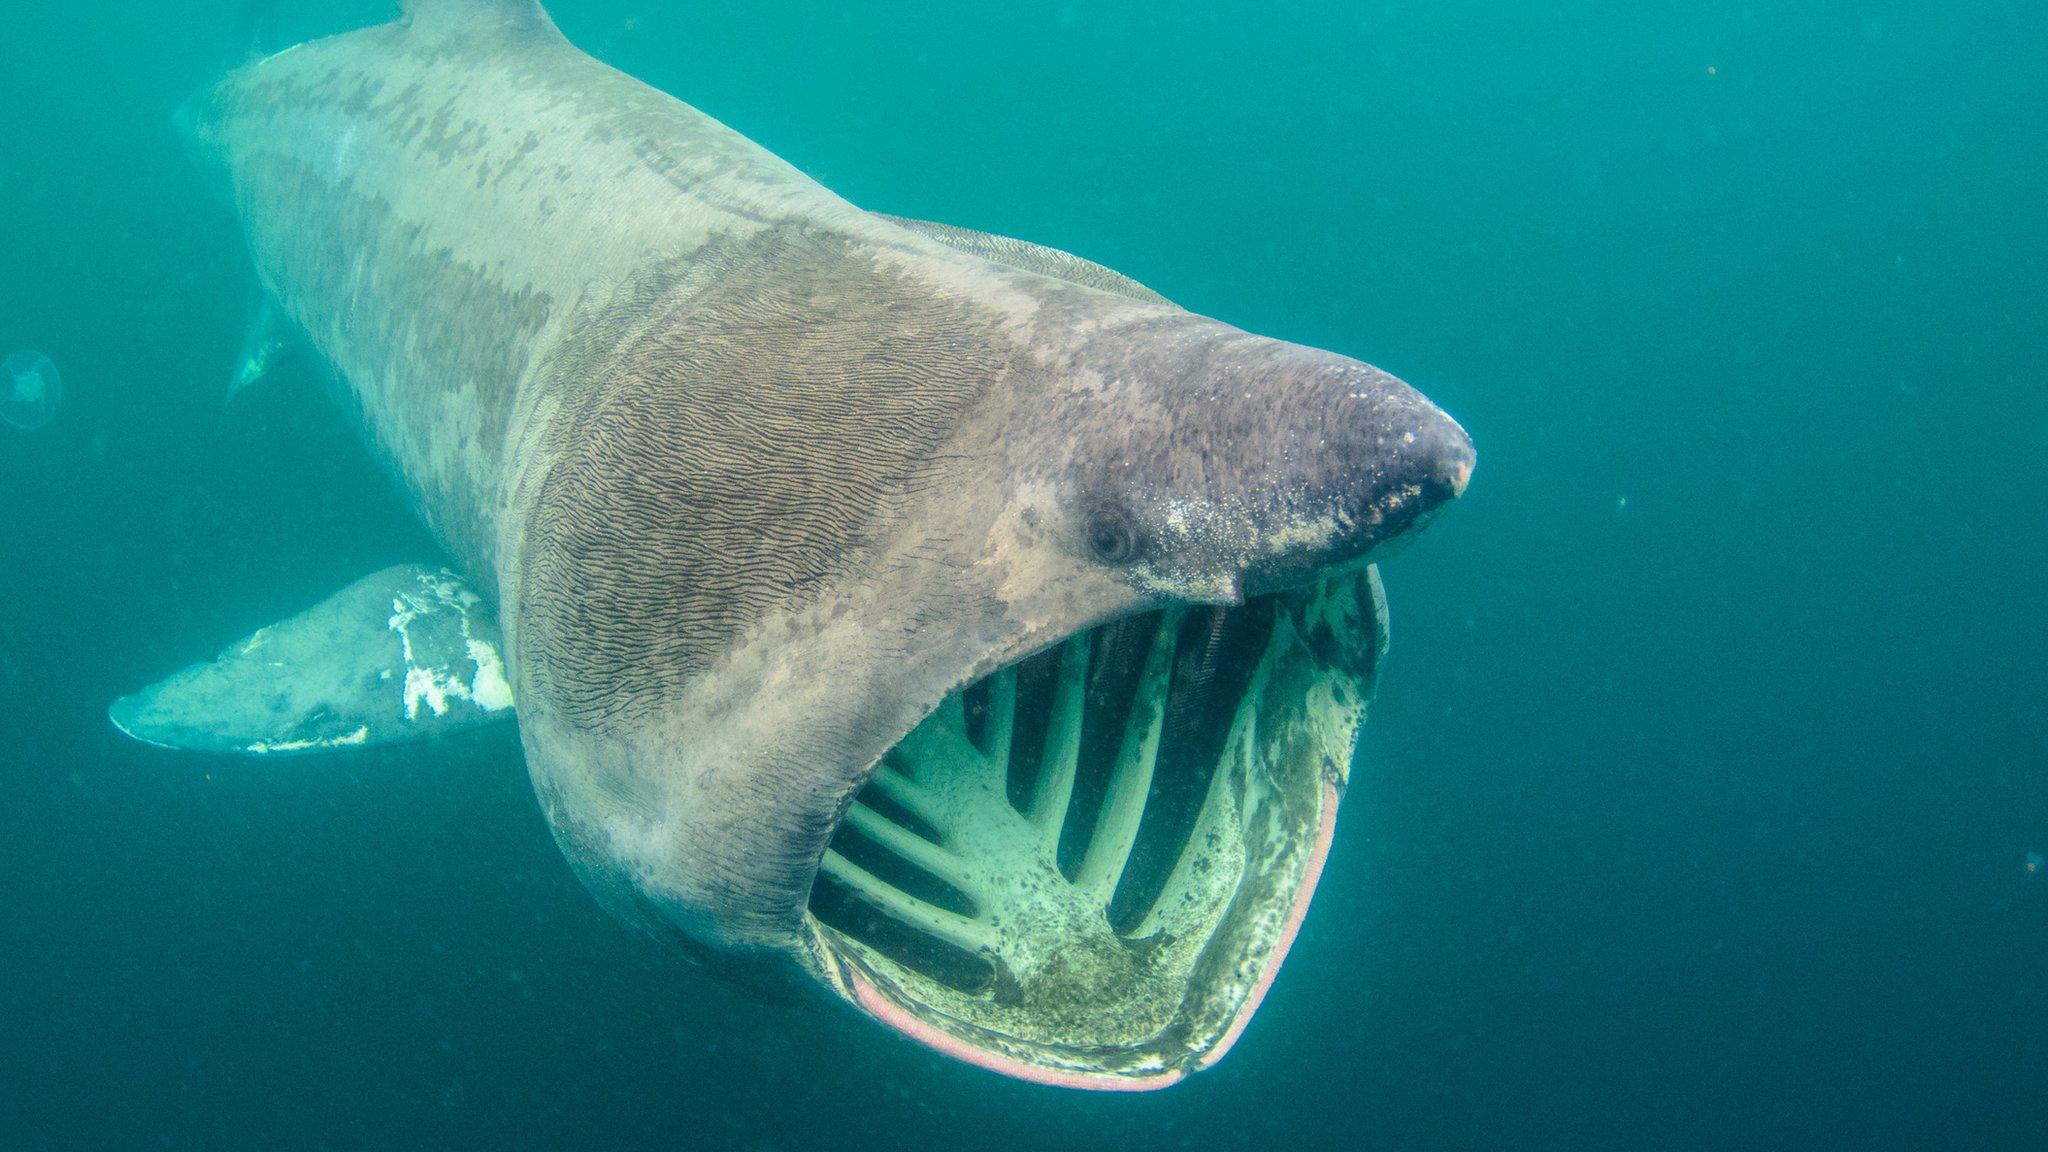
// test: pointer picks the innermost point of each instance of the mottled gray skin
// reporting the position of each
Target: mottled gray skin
(758, 477)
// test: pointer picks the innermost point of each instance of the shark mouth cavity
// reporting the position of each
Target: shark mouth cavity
(1085, 868)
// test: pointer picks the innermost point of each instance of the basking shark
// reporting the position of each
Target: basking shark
(943, 619)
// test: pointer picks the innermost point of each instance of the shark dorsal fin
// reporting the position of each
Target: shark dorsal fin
(442, 16)
(1029, 257)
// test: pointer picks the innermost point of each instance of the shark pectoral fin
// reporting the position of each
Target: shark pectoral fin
(1029, 257)
(403, 654)
(267, 344)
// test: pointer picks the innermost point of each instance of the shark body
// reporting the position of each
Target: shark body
(946, 618)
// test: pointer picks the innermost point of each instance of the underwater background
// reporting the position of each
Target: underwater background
(1704, 800)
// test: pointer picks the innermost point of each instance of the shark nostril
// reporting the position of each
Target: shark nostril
(1461, 475)
(1435, 465)
(1457, 457)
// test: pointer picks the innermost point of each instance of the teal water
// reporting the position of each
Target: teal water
(1698, 801)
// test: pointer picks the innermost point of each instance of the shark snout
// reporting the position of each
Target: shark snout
(1426, 462)
(1384, 459)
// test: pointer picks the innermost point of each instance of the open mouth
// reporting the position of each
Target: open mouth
(1086, 867)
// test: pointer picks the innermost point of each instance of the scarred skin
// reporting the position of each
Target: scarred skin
(755, 476)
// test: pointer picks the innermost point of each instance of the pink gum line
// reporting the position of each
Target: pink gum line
(886, 1010)
(1326, 832)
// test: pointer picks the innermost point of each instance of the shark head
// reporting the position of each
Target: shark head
(986, 646)
(1208, 465)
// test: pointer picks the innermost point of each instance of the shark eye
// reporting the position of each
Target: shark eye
(1112, 537)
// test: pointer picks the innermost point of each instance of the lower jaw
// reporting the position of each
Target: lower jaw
(1086, 868)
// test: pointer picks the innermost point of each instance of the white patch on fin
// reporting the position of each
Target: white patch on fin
(491, 691)
(401, 655)
(360, 736)
(437, 684)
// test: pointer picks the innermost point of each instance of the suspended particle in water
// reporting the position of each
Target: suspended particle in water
(30, 390)
(2036, 862)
